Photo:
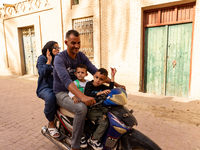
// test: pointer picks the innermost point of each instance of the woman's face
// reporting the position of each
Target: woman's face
(55, 49)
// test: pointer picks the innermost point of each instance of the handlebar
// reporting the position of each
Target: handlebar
(99, 99)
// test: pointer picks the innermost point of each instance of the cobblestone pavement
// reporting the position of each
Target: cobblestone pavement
(22, 118)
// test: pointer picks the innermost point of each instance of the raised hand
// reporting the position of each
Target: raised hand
(49, 57)
(113, 71)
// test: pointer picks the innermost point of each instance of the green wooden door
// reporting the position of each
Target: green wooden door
(155, 58)
(178, 59)
(167, 59)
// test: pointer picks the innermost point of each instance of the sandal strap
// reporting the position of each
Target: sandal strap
(53, 131)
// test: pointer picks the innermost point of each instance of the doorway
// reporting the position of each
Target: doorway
(167, 59)
(29, 49)
(167, 50)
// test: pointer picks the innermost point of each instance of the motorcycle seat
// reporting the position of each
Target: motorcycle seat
(67, 112)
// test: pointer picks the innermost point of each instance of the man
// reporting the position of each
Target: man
(64, 67)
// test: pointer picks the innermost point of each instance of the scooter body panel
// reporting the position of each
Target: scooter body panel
(120, 129)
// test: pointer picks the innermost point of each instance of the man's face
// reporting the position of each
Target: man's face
(73, 44)
(99, 79)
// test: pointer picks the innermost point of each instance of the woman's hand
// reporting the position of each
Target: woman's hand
(49, 57)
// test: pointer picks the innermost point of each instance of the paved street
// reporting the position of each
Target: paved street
(22, 118)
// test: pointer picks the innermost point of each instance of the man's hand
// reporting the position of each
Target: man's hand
(88, 100)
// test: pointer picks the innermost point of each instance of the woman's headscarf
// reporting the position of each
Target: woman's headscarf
(49, 45)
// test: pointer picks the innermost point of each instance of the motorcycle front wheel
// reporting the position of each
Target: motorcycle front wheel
(135, 140)
(137, 148)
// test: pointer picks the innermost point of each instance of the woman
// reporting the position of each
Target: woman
(45, 83)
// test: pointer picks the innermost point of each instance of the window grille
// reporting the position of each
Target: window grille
(75, 2)
(85, 28)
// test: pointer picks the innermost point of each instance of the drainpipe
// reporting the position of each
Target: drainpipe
(100, 33)
(61, 14)
(7, 62)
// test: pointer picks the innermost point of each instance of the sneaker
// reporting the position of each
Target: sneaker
(83, 142)
(96, 145)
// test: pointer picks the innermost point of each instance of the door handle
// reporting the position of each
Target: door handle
(174, 63)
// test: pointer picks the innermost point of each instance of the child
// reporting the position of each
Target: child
(80, 82)
(98, 114)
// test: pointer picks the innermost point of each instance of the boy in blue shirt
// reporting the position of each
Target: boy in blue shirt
(98, 114)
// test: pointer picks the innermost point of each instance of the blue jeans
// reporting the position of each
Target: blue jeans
(50, 103)
(80, 110)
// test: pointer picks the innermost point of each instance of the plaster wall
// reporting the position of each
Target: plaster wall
(3, 58)
(117, 30)
(120, 34)
(47, 25)
(85, 8)
(122, 40)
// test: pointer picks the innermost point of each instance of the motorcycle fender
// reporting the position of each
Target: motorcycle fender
(135, 138)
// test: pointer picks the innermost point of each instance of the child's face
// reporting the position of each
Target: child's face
(81, 73)
(99, 79)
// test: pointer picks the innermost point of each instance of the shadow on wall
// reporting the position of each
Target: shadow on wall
(11, 40)
(116, 24)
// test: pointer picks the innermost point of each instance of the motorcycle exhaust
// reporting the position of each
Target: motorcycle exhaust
(56, 142)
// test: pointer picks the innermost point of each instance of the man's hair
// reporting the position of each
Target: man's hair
(74, 32)
(103, 71)
(81, 66)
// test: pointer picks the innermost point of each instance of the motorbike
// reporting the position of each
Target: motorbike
(120, 134)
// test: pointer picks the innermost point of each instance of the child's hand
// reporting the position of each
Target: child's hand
(113, 71)
(106, 92)
(76, 100)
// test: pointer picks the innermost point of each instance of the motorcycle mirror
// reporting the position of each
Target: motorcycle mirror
(131, 111)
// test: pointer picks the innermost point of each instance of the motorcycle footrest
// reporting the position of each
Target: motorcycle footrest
(62, 136)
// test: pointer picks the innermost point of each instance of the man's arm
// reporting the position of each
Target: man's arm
(85, 99)
(65, 78)
(61, 70)
(91, 68)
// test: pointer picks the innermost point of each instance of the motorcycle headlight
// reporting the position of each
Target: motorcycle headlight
(120, 130)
